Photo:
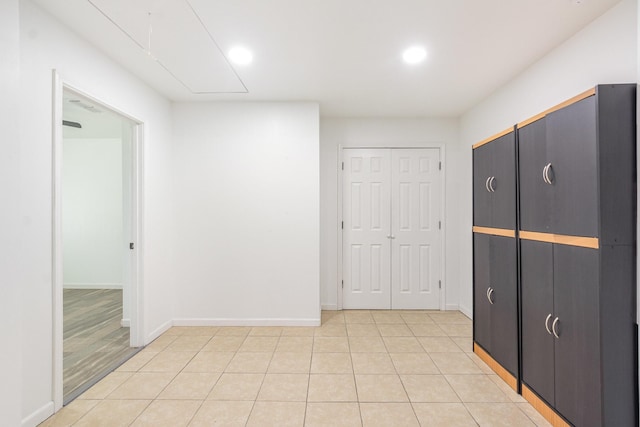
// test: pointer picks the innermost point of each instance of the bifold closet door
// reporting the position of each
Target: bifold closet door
(391, 242)
(367, 229)
(415, 247)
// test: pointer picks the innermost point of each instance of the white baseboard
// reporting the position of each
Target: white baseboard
(246, 322)
(92, 286)
(39, 415)
(125, 323)
(329, 307)
(466, 311)
(158, 331)
(452, 307)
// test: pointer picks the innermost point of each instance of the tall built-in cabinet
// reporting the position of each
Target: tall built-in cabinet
(495, 249)
(576, 187)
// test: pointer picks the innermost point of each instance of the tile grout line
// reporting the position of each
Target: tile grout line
(344, 326)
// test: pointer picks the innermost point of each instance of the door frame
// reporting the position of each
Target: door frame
(136, 276)
(441, 148)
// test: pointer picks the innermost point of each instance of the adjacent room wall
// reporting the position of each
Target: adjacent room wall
(92, 213)
(603, 52)
(11, 249)
(344, 132)
(45, 45)
(246, 209)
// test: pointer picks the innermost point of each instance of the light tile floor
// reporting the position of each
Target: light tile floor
(360, 368)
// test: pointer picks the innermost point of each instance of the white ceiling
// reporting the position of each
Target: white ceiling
(344, 54)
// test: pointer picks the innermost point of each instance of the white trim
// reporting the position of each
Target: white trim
(443, 201)
(56, 249)
(125, 323)
(340, 279)
(59, 84)
(92, 286)
(466, 311)
(39, 415)
(330, 307)
(452, 307)
(245, 322)
(443, 230)
(136, 333)
(158, 331)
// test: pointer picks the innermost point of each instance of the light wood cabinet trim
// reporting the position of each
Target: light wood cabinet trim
(495, 231)
(492, 138)
(545, 410)
(497, 368)
(584, 242)
(531, 120)
(570, 101)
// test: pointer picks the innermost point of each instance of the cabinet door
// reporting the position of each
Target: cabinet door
(535, 194)
(504, 182)
(577, 350)
(536, 272)
(504, 311)
(481, 279)
(571, 137)
(482, 165)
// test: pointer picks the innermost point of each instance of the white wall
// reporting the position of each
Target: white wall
(336, 132)
(603, 52)
(10, 219)
(246, 209)
(45, 45)
(92, 213)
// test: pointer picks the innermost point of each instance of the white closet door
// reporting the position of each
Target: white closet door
(415, 250)
(366, 215)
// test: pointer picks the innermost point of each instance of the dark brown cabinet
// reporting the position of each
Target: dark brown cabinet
(572, 169)
(494, 183)
(536, 195)
(560, 327)
(577, 271)
(495, 298)
(558, 173)
(538, 361)
(562, 287)
(577, 168)
(495, 327)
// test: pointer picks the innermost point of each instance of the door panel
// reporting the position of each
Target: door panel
(571, 136)
(415, 205)
(481, 284)
(482, 167)
(535, 194)
(366, 248)
(504, 182)
(504, 311)
(537, 306)
(577, 361)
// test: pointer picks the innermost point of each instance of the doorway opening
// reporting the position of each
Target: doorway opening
(96, 229)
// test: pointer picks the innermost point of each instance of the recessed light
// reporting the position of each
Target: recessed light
(414, 54)
(240, 55)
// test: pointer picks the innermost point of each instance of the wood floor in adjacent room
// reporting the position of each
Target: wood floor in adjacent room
(360, 368)
(94, 340)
